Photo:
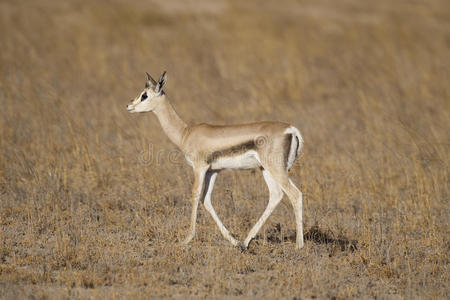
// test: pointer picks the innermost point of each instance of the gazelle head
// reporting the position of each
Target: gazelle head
(150, 97)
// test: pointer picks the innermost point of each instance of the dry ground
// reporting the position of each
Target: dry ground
(93, 200)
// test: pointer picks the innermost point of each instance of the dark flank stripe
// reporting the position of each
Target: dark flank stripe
(233, 151)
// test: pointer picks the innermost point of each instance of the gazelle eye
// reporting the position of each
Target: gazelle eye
(144, 96)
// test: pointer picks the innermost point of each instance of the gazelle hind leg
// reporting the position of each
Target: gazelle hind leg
(210, 180)
(275, 196)
(280, 175)
(297, 203)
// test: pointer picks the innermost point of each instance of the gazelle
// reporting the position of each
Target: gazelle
(270, 146)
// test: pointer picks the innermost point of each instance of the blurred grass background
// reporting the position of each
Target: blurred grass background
(367, 83)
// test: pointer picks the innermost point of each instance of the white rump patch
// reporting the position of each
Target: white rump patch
(296, 145)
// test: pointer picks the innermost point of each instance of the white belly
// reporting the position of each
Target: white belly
(247, 160)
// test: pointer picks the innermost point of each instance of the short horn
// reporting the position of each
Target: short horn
(150, 80)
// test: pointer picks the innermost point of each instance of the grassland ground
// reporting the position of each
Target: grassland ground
(93, 203)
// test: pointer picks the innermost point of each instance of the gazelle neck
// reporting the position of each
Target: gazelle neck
(170, 122)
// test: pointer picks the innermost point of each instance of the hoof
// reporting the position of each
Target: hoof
(241, 246)
(299, 246)
(186, 241)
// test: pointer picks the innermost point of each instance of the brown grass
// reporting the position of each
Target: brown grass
(88, 208)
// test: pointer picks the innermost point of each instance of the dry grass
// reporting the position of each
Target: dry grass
(86, 211)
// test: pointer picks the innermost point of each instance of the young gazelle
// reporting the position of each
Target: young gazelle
(270, 146)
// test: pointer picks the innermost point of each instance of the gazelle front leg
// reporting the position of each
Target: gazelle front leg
(197, 190)
(210, 180)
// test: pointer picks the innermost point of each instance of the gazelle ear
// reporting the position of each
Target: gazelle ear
(150, 81)
(161, 82)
